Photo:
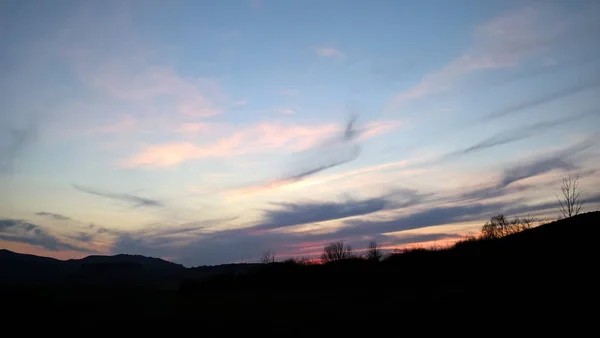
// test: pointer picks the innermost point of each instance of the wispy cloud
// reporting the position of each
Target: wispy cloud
(153, 83)
(503, 42)
(328, 153)
(584, 85)
(250, 140)
(14, 230)
(516, 134)
(202, 128)
(13, 141)
(137, 201)
(54, 216)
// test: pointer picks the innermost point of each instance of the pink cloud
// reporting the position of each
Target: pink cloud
(193, 128)
(329, 52)
(126, 74)
(287, 111)
(379, 127)
(254, 139)
(251, 140)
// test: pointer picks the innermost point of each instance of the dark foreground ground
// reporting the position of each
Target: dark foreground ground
(544, 279)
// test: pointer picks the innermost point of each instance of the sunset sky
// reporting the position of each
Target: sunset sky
(208, 132)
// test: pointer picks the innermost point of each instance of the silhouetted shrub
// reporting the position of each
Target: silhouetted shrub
(499, 226)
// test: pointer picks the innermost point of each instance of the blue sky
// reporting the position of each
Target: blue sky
(207, 132)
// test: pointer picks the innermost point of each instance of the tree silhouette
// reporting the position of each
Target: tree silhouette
(499, 226)
(373, 252)
(570, 203)
(267, 257)
(336, 251)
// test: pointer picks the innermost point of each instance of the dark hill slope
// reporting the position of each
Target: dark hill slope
(564, 248)
(547, 271)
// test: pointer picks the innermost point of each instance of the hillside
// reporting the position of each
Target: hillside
(546, 268)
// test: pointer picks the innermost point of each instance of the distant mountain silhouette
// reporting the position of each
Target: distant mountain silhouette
(138, 270)
(142, 261)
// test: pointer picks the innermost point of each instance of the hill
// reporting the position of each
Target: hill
(548, 269)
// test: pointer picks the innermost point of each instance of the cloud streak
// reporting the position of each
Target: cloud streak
(503, 42)
(56, 217)
(137, 201)
(516, 134)
(255, 139)
(12, 144)
(13, 230)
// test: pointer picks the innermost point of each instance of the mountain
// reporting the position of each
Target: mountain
(24, 269)
(122, 270)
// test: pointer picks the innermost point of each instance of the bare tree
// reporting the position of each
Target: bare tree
(519, 224)
(499, 226)
(570, 203)
(267, 257)
(496, 227)
(373, 252)
(336, 251)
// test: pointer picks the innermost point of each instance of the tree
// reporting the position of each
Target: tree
(336, 251)
(570, 203)
(267, 257)
(499, 226)
(373, 252)
(496, 227)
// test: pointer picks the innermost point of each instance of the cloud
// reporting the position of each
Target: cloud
(137, 201)
(12, 144)
(57, 217)
(193, 128)
(153, 83)
(291, 214)
(359, 221)
(107, 53)
(250, 140)
(503, 42)
(561, 159)
(330, 153)
(253, 139)
(514, 135)
(582, 86)
(329, 52)
(287, 111)
(21, 231)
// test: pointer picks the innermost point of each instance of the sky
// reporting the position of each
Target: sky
(208, 132)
